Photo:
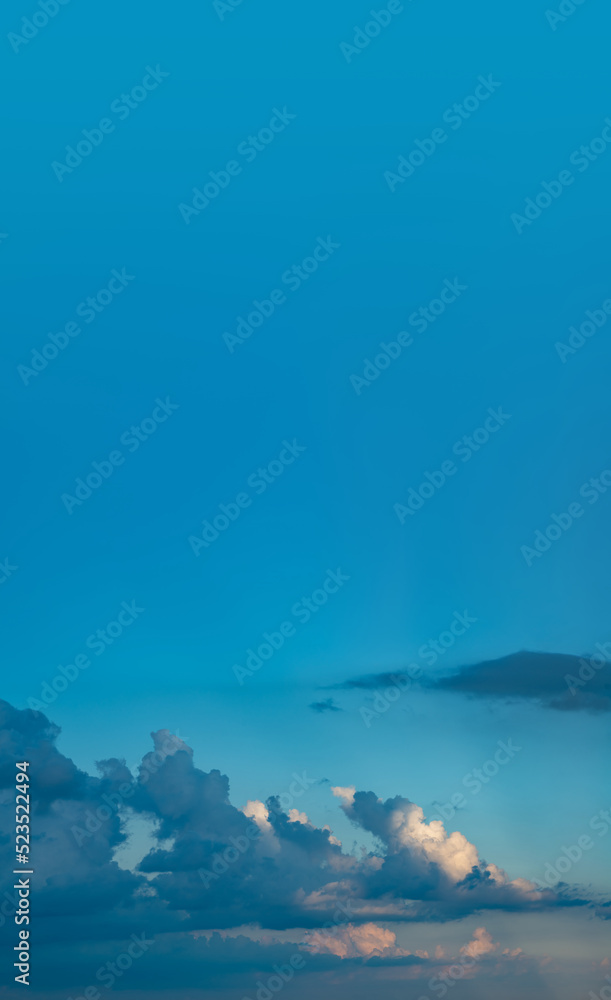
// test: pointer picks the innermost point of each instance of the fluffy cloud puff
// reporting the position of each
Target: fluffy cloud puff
(432, 873)
(362, 941)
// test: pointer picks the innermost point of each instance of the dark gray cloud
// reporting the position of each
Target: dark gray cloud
(328, 705)
(558, 680)
(186, 967)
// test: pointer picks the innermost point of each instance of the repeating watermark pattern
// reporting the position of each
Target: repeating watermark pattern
(302, 610)
(591, 490)
(249, 149)
(284, 801)
(589, 667)
(533, 207)
(464, 449)
(88, 310)
(429, 652)
(384, 698)
(293, 278)
(603, 994)
(478, 778)
(152, 761)
(363, 36)
(596, 318)
(132, 438)
(112, 802)
(420, 320)
(7, 570)
(30, 26)
(122, 107)
(279, 805)
(98, 642)
(581, 158)
(432, 649)
(566, 8)
(283, 974)
(600, 823)
(258, 481)
(565, 890)
(224, 7)
(9, 906)
(222, 861)
(455, 116)
(108, 974)
(440, 983)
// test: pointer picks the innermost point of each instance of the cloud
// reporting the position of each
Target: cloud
(346, 794)
(216, 867)
(377, 945)
(362, 941)
(257, 811)
(558, 680)
(298, 817)
(441, 874)
(482, 944)
(328, 705)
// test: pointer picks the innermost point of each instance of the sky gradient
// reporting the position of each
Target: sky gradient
(306, 369)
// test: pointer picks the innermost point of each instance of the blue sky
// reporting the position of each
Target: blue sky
(357, 450)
